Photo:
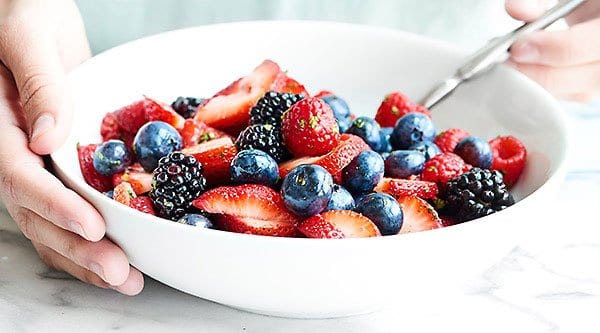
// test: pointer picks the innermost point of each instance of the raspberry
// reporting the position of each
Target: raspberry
(270, 108)
(175, 183)
(448, 139)
(186, 106)
(394, 106)
(444, 167)
(309, 128)
(267, 138)
(477, 193)
(509, 158)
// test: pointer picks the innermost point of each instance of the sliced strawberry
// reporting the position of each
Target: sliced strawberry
(158, 111)
(418, 215)
(404, 187)
(90, 175)
(253, 209)
(510, 155)
(231, 106)
(143, 204)
(124, 194)
(216, 156)
(285, 84)
(195, 132)
(140, 180)
(348, 148)
(338, 224)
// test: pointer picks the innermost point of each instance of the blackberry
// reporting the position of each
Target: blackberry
(186, 106)
(477, 193)
(267, 138)
(175, 183)
(270, 108)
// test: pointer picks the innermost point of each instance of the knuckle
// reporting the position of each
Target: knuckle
(33, 84)
(8, 181)
(26, 223)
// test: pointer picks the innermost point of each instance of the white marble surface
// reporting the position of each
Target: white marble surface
(549, 283)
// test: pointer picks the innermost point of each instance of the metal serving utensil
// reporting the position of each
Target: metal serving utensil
(495, 52)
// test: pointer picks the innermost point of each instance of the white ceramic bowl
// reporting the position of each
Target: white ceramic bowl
(312, 277)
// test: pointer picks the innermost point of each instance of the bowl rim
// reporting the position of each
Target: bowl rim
(555, 177)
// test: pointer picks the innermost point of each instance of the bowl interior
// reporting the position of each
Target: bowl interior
(360, 64)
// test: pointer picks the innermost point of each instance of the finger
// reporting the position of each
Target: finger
(578, 45)
(103, 257)
(133, 285)
(31, 54)
(527, 10)
(565, 81)
(25, 182)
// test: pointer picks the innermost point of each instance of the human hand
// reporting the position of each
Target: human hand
(566, 63)
(40, 40)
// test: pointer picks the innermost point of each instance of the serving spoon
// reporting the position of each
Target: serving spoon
(495, 52)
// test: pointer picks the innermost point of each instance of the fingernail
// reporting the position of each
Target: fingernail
(76, 228)
(41, 125)
(525, 52)
(96, 268)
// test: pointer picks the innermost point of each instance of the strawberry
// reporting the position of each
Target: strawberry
(324, 93)
(444, 167)
(110, 129)
(394, 106)
(336, 160)
(403, 187)
(90, 175)
(285, 84)
(158, 111)
(140, 180)
(133, 116)
(418, 215)
(195, 132)
(124, 194)
(338, 224)
(231, 106)
(510, 155)
(143, 204)
(215, 156)
(448, 139)
(250, 208)
(309, 128)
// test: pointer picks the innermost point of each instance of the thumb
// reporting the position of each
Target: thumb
(527, 10)
(40, 78)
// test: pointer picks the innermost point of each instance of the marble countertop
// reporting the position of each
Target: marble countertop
(549, 283)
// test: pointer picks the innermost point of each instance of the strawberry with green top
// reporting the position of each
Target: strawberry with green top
(309, 128)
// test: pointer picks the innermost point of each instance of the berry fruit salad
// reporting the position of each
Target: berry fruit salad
(264, 157)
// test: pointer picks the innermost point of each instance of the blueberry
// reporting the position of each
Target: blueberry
(429, 149)
(196, 220)
(412, 128)
(385, 146)
(112, 157)
(383, 210)
(358, 197)
(475, 151)
(341, 199)
(344, 124)
(153, 141)
(340, 108)
(254, 166)
(404, 163)
(364, 172)
(110, 193)
(307, 189)
(368, 129)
